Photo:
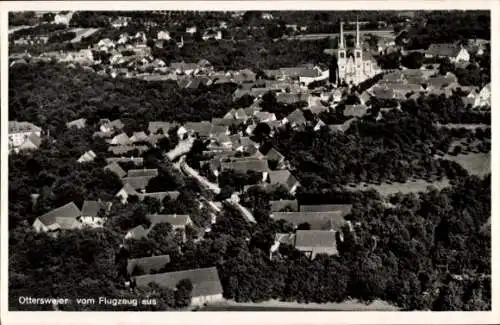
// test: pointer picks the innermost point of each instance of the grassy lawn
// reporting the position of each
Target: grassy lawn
(476, 163)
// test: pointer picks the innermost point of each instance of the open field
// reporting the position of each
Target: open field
(387, 34)
(275, 305)
(385, 189)
(476, 163)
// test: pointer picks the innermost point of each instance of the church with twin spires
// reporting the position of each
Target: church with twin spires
(357, 64)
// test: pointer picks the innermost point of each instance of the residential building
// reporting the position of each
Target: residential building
(92, 213)
(62, 218)
(343, 209)
(116, 169)
(87, 157)
(284, 205)
(454, 52)
(316, 220)
(206, 283)
(79, 123)
(163, 35)
(313, 242)
(23, 136)
(63, 18)
(285, 178)
(484, 97)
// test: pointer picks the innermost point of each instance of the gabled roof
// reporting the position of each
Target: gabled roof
(344, 209)
(116, 124)
(279, 205)
(449, 49)
(148, 264)
(263, 116)
(57, 216)
(282, 177)
(317, 220)
(87, 156)
(118, 150)
(128, 189)
(120, 139)
(35, 139)
(173, 195)
(91, 208)
(291, 98)
(138, 232)
(202, 128)
(205, 281)
(115, 168)
(142, 172)
(316, 109)
(297, 117)
(136, 160)
(138, 136)
(274, 154)
(315, 238)
(79, 123)
(23, 127)
(219, 129)
(173, 219)
(246, 165)
(154, 126)
(137, 182)
(225, 121)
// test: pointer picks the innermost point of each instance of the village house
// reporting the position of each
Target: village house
(178, 221)
(295, 119)
(163, 35)
(110, 126)
(142, 173)
(206, 283)
(120, 22)
(313, 242)
(79, 123)
(136, 233)
(146, 265)
(121, 139)
(484, 97)
(212, 34)
(191, 30)
(154, 127)
(93, 213)
(121, 150)
(23, 136)
(454, 52)
(62, 218)
(285, 178)
(343, 209)
(116, 169)
(87, 157)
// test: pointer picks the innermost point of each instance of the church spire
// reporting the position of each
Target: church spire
(358, 44)
(341, 40)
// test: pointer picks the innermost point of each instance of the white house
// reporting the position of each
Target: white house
(484, 97)
(164, 35)
(19, 132)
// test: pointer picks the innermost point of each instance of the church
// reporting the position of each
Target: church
(357, 64)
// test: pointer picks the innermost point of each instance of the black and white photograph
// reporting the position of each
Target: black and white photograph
(249, 160)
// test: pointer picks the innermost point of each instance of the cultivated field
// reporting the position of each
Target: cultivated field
(415, 186)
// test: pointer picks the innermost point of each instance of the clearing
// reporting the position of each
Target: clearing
(475, 163)
(414, 186)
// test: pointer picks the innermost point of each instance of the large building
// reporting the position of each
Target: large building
(354, 65)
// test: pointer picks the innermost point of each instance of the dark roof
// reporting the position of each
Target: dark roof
(173, 219)
(118, 150)
(137, 182)
(290, 98)
(91, 208)
(154, 126)
(297, 117)
(279, 205)
(274, 154)
(173, 195)
(283, 177)
(315, 238)
(138, 232)
(345, 209)
(148, 264)
(67, 211)
(115, 168)
(317, 220)
(142, 173)
(449, 49)
(255, 165)
(205, 281)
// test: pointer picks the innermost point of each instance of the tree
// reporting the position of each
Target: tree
(413, 60)
(183, 293)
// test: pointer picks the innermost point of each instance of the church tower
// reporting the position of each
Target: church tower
(342, 54)
(358, 55)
